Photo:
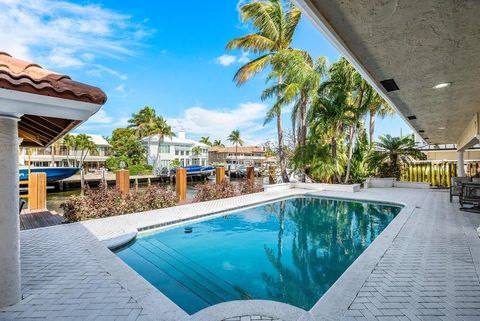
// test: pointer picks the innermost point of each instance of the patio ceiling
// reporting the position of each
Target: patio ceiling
(418, 44)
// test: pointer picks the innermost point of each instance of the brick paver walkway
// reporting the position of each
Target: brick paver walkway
(426, 274)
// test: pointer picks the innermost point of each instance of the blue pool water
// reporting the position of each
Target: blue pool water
(290, 251)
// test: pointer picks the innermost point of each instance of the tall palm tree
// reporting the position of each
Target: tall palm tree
(85, 145)
(275, 22)
(218, 143)
(378, 106)
(236, 139)
(206, 140)
(393, 151)
(162, 130)
(196, 150)
(144, 123)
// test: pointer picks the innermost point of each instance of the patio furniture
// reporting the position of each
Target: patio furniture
(470, 195)
(456, 187)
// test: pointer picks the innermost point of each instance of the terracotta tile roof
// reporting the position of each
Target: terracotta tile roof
(16, 74)
(241, 149)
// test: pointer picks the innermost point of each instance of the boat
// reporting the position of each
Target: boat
(196, 170)
(53, 173)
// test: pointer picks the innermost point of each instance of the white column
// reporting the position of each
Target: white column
(10, 292)
(460, 164)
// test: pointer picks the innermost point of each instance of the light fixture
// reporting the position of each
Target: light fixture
(442, 85)
(441, 128)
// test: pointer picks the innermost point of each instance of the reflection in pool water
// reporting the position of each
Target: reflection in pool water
(290, 251)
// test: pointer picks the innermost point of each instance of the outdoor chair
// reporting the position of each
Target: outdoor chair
(21, 204)
(456, 187)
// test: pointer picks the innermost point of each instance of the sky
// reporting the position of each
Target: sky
(169, 55)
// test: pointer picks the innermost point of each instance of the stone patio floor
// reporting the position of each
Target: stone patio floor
(429, 272)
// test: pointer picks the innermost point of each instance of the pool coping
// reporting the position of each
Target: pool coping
(331, 306)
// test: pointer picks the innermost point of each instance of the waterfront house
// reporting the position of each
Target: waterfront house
(58, 155)
(177, 148)
(246, 155)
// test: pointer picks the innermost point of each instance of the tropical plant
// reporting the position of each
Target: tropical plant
(206, 140)
(208, 191)
(175, 163)
(391, 152)
(144, 123)
(162, 130)
(113, 202)
(196, 150)
(275, 22)
(85, 145)
(236, 139)
(69, 144)
(218, 143)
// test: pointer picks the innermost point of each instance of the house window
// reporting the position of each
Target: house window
(182, 152)
(165, 149)
(187, 152)
(176, 152)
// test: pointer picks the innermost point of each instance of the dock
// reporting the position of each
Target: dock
(31, 220)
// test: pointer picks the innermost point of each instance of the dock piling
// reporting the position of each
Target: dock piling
(181, 184)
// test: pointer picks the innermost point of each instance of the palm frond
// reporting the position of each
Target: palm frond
(251, 68)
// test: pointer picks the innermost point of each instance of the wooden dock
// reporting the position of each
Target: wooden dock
(39, 219)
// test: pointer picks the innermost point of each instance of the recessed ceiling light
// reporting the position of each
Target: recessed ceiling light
(442, 85)
(441, 128)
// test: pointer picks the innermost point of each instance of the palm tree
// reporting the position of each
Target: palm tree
(68, 143)
(378, 107)
(302, 77)
(218, 143)
(275, 23)
(85, 145)
(391, 152)
(206, 140)
(144, 124)
(196, 150)
(235, 138)
(162, 130)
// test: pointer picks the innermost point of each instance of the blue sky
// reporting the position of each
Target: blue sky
(169, 55)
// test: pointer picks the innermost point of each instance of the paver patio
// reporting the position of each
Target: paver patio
(429, 272)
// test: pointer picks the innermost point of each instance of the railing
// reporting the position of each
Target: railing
(438, 174)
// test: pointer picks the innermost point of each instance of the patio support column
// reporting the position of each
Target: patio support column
(460, 164)
(10, 292)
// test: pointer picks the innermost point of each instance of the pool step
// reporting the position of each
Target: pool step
(204, 285)
(176, 291)
(219, 284)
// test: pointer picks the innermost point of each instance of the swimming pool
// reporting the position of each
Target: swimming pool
(290, 251)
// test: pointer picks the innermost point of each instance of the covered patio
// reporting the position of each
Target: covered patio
(37, 107)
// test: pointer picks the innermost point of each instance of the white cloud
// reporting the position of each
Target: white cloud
(60, 34)
(247, 117)
(226, 60)
(244, 58)
(101, 117)
(120, 88)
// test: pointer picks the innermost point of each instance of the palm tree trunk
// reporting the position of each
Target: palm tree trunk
(353, 130)
(237, 172)
(372, 125)
(334, 156)
(352, 134)
(160, 141)
(281, 156)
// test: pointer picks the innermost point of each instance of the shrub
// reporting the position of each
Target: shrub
(106, 202)
(208, 191)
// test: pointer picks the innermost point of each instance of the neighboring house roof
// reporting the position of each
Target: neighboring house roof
(241, 149)
(97, 139)
(176, 140)
(19, 75)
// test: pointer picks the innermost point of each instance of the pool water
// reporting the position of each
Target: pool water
(289, 251)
